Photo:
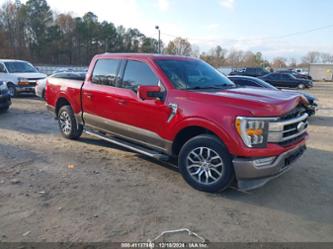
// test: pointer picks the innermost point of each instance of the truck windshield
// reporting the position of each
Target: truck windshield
(20, 67)
(193, 74)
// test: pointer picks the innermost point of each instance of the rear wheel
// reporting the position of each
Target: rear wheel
(206, 164)
(67, 123)
(301, 86)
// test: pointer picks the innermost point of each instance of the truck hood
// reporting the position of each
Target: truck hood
(259, 102)
(29, 75)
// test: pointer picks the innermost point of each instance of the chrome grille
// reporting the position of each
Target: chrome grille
(289, 128)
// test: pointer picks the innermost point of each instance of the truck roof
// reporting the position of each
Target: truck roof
(144, 56)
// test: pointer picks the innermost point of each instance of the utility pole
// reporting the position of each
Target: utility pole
(159, 38)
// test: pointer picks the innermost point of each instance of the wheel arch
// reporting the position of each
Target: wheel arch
(192, 128)
(61, 101)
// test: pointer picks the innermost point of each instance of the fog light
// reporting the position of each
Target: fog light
(262, 162)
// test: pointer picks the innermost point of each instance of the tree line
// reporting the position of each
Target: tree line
(219, 57)
(32, 31)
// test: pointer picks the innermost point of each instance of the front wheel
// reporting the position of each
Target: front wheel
(67, 123)
(12, 91)
(205, 164)
(5, 109)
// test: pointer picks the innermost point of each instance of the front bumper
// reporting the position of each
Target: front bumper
(254, 173)
(5, 101)
(25, 89)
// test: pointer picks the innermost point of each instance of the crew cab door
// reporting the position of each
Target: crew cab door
(98, 102)
(141, 120)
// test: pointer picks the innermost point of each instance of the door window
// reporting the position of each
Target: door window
(138, 73)
(285, 77)
(106, 72)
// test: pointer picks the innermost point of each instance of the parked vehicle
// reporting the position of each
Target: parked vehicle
(247, 81)
(250, 71)
(70, 75)
(301, 71)
(21, 76)
(170, 107)
(5, 100)
(297, 75)
(286, 80)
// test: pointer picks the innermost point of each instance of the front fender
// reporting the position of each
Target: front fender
(223, 131)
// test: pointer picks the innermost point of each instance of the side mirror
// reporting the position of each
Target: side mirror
(149, 92)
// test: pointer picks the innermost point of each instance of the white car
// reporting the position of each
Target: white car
(301, 71)
(21, 76)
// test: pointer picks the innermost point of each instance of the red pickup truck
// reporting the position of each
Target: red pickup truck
(181, 109)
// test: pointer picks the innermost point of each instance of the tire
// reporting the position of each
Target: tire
(197, 165)
(5, 109)
(67, 123)
(12, 90)
(301, 86)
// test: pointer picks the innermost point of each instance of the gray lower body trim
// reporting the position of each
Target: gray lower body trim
(250, 176)
(134, 134)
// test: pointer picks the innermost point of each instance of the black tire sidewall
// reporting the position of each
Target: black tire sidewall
(214, 143)
(4, 109)
(75, 131)
(12, 86)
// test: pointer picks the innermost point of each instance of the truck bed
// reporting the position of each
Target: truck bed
(58, 87)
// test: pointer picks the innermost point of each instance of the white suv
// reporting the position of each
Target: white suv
(21, 76)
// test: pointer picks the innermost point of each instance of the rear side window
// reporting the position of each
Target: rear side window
(285, 76)
(138, 73)
(105, 72)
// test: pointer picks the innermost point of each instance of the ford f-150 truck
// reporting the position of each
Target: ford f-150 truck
(182, 109)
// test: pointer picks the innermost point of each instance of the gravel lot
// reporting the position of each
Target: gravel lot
(52, 189)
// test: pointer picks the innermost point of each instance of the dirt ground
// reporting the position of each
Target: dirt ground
(52, 189)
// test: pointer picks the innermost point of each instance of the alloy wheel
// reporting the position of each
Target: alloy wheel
(205, 165)
(65, 123)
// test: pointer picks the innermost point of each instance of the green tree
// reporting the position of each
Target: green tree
(149, 45)
(39, 18)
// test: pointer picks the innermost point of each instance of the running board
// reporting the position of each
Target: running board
(136, 148)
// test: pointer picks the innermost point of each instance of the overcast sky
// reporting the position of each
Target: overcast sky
(257, 25)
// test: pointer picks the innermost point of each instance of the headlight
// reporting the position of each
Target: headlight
(254, 132)
(23, 82)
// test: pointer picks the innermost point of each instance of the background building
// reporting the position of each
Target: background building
(321, 71)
